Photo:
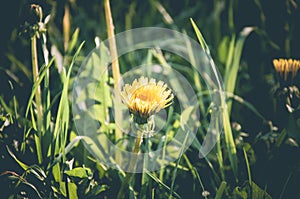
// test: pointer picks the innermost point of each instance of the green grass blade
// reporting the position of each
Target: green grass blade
(62, 117)
(73, 41)
(230, 16)
(232, 71)
(200, 37)
(68, 148)
(177, 163)
(229, 141)
(230, 144)
(247, 166)
(196, 75)
(194, 172)
(24, 166)
(33, 188)
(221, 190)
(38, 137)
(158, 181)
(37, 83)
(229, 58)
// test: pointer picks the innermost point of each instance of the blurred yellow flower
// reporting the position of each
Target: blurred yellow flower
(145, 98)
(286, 66)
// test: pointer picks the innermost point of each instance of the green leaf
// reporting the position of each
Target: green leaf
(80, 172)
(250, 190)
(259, 193)
(97, 189)
(97, 88)
(230, 144)
(186, 116)
(72, 187)
(281, 137)
(223, 49)
(239, 193)
(68, 148)
(73, 41)
(221, 190)
(38, 172)
(250, 152)
(56, 173)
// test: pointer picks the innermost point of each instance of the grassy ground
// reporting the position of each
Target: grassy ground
(257, 156)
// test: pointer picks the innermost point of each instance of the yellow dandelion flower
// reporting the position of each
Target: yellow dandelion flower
(286, 66)
(145, 98)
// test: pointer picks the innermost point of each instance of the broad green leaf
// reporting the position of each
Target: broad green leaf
(80, 172)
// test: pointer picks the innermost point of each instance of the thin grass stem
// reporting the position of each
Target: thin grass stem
(38, 99)
(115, 66)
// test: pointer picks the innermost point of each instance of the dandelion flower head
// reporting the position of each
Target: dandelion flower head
(146, 97)
(286, 66)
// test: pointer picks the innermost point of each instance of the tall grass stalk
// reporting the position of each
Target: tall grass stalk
(115, 64)
(66, 26)
(38, 99)
(112, 43)
(46, 90)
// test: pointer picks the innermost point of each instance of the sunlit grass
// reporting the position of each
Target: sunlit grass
(42, 156)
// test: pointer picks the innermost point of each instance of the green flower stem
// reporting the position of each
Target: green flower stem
(38, 99)
(132, 165)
